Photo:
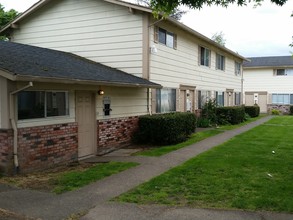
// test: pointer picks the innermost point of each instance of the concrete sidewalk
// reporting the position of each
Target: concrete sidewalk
(95, 197)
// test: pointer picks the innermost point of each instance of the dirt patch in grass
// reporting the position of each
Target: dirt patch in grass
(43, 180)
(8, 215)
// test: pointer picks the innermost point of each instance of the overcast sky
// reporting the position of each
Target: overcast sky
(266, 30)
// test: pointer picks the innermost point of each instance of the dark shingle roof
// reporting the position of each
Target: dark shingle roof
(276, 61)
(24, 60)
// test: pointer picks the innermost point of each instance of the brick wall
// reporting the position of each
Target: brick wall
(115, 133)
(284, 109)
(44, 146)
(6, 150)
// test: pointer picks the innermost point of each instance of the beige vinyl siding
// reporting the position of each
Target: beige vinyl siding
(265, 80)
(124, 102)
(170, 67)
(94, 29)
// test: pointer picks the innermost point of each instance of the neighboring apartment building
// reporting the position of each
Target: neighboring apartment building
(189, 66)
(268, 82)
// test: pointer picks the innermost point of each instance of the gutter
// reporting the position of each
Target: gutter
(14, 125)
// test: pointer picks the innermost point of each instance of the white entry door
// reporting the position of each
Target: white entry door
(85, 116)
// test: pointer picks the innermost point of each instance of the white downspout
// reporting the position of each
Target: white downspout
(13, 123)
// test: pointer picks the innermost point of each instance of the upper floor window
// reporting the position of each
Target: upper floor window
(237, 69)
(205, 55)
(166, 100)
(284, 72)
(165, 37)
(220, 62)
(40, 104)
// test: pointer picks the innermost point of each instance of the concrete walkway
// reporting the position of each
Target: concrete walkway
(95, 197)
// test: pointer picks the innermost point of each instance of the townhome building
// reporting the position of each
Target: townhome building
(182, 68)
(268, 83)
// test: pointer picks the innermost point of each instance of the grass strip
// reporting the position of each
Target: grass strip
(196, 137)
(75, 179)
(252, 171)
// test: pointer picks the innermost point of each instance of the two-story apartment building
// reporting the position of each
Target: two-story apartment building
(189, 66)
(268, 82)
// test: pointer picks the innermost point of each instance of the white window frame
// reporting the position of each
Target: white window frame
(165, 100)
(169, 39)
(237, 68)
(282, 99)
(204, 56)
(66, 93)
(220, 98)
(220, 62)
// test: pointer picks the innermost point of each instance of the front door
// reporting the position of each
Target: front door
(85, 116)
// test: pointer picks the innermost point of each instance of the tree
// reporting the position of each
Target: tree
(6, 17)
(176, 13)
(166, 7)
(219, 38)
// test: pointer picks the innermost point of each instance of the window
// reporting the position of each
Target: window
(284, 99)
(237, 69)
(237, 98)
(166, 100)
(220, 62)
(205, 56)
(165, 37)
(203, 97)
(284, 72)
(40, 104)
(220, 98)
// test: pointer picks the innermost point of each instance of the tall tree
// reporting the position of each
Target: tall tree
(219, 38)
(6, 17)
(167, 6)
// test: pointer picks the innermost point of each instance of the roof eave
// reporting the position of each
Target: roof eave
(82, 82)
(24, 14)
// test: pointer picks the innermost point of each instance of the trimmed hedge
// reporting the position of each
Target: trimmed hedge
(163, 129)
(252, 111)
(230, 115)
(291, 110)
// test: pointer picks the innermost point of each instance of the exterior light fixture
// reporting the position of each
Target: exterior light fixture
(101, 92)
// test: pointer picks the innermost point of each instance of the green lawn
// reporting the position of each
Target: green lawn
(242, 173)
(196, 137)
(75, 179)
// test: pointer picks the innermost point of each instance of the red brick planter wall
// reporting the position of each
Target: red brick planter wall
(44, 146)
(6, 150)
(115, 133)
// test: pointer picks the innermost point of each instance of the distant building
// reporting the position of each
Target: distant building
(268, 82)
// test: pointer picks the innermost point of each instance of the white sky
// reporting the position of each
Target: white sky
(263, 31)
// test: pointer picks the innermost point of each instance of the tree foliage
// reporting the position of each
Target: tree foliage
(6, 17)
(219, 38)
(166, 7)
(176, 13)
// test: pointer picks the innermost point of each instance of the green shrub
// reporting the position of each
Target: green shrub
(275, 112)
(162, 129)
(209, 111)
(203, 122)
(291, 110)
(230, 115)
(252, 111)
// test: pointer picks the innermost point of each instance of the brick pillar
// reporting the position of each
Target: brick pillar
(6, 151)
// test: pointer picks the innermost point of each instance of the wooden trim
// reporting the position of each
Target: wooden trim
(259, 93)
(156, 34)
(145, 47)
(175, 41)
